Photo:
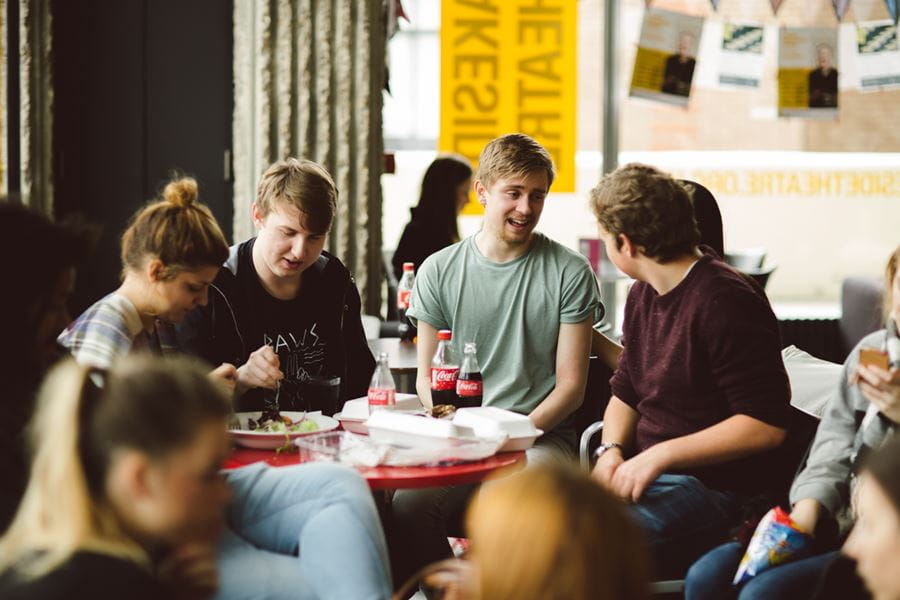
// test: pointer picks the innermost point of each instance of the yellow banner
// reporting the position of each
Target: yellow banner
(509, 66)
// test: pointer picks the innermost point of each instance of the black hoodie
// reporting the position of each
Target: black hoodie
(319, 333)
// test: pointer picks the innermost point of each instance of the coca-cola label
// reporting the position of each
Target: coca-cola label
(443, 379)
(378, 397)
(403, 298)
(468, 388)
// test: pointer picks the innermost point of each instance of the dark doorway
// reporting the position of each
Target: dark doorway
(142, 88)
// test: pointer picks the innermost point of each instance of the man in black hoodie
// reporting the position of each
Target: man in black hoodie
(281, 308)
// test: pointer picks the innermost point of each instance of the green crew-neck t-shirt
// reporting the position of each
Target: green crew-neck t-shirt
(511, 310)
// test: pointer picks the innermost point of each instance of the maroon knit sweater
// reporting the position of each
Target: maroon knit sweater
(705, 351)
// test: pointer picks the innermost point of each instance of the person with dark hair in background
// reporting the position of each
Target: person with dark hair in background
(432, 227)
(38, 259)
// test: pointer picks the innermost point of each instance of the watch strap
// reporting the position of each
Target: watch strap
(606, 446)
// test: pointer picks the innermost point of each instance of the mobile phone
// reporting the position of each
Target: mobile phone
(878, 358)
(874, 357)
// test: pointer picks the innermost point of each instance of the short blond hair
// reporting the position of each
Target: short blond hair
(513, 154)
(305, 185)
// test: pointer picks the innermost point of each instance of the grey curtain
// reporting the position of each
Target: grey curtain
(35, 108)
(308, 80)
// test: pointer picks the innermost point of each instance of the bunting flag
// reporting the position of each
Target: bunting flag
(715, 4)
(776, 4)
(892, 8)
(840, 7)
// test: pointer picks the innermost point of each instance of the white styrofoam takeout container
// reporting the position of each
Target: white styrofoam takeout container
(403, 429)
(355, 413)
(490, 421)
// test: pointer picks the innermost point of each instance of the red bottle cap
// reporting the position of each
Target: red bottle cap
(408, 266)
(445, 334)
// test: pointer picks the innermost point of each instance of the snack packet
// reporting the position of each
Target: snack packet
(777, 540)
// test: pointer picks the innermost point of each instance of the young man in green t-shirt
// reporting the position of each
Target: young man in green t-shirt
(526, 301)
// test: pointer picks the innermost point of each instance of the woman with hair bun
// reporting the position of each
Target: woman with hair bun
(116, 481)
(171, 252)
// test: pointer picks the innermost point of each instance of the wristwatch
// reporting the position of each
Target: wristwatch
(606, 446)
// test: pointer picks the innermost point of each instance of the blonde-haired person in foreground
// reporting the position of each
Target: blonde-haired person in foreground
(550, 533)
(119, 475)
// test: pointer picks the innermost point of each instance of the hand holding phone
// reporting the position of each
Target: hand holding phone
(874, 357)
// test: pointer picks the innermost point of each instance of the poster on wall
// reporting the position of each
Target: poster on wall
(808, 72)
(509, 66)
(877, 55)
(666, 56)
(741, 61)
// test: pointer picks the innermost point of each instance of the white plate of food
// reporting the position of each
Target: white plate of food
(270, 430)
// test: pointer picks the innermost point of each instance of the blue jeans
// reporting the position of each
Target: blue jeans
(306, 531)
(710, 577)
(682, 519)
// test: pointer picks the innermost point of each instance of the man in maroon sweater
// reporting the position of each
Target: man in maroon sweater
(700, 397)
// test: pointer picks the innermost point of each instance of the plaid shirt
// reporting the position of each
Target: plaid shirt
(109, 329)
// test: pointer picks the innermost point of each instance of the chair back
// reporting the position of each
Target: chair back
(596, 395)
(761, 275)
(860, 309)
(747, 259)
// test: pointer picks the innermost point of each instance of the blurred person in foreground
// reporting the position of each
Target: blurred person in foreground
(551, 533)
(123, 499)
(700, 393)
(433, 226)
(874, 542)
(289, 528)
(42, 280)
(528, 303)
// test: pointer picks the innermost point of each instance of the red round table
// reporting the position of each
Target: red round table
(380, 478)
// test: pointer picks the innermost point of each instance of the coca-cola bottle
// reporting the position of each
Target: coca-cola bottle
(382, 391)
(469, 386)
(444, 370)
(404, 289)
